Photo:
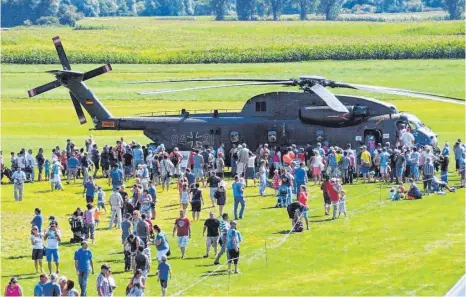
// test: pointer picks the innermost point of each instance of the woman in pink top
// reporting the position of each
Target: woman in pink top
(13, 288)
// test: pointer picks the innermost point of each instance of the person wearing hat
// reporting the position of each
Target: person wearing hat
(83, 264)
(233, 240)
(164, 272)
(39, 287)
(37, 241)
(53, 237)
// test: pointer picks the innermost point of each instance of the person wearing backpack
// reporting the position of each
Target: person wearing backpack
(176, 157)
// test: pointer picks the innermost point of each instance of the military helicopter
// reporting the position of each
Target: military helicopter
(279, 118)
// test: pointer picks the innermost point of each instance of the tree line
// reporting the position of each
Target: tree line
(67, 12)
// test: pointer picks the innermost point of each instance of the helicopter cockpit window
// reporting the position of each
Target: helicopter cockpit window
(234, 136)
(412, 126)
(272, 136)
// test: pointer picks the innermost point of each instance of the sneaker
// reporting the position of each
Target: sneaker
(237, 272)
(216, 263)
(205, 256)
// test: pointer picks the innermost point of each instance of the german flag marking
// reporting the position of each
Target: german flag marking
(108, 124)
(89, 101)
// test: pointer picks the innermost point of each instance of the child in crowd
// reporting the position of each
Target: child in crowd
(282, 195)
(47, 169)
(101, 199)
(342, 204)
(391, 194)
(164, 272)
(97, 214)
(276, 181)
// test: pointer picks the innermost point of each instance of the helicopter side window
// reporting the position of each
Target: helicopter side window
(234, 136)
(261, 106)
(272, 136)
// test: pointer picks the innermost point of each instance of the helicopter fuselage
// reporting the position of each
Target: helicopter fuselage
(281, 119)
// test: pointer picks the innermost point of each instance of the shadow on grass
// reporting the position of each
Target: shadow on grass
(115, 261)
(283, 232)
(193, 258)
(169, 219)
(171, 205)
(16, 275)
(271, 207)
(117, 253)
(16, 257)
(67, 243)
(204, 265)
(320, 221)
(215, 273)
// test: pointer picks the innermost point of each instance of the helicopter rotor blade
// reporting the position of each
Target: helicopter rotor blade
(285, 83)
(402, 92)
(329, 98)
(203, 79)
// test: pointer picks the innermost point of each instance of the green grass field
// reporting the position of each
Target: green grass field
(383, 248)
(150, 40)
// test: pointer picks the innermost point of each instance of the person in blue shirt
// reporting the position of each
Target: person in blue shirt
(52, 288)
(138, 157)
(190, 177)
(233, 240)
(37, 220)
(39, 287)
(165, 271)
(458, 150)
(198, 165)
(116, 175)
(414, 163)
(153, 193)
(84, 265)
(238, 195)
(72, 168)
(89, 190)
(300, 177)
(344, 165)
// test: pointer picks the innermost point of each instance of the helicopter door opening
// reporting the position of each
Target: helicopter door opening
(371, 138)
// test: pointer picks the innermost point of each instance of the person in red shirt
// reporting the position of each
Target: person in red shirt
(302, 199)
(324, 188)
(183, 232)
(334, 194)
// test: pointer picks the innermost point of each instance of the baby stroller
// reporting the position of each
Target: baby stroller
(295, 210)
(77, 227)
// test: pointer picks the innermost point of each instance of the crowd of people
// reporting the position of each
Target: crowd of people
(288, 171)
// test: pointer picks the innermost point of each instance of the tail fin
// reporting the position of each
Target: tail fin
(81, 95)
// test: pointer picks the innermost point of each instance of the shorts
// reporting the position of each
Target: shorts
(196, 206)
(250, 173)
(326, 198)
(101, 205)
(166, 179)
(40, 167)
(183, 241)
(342, 206)
(212, 192)
(211, 241)
(37, 254)
(127, 170)
(198, 173)
(52, 253)
(161, 253)
(399, 172)
(233, 256)
(316, 170)
(72, 171)
(89, 199)
(364, 170)
(383, 169)
(220, 174)
(306, 212)
(164, 283)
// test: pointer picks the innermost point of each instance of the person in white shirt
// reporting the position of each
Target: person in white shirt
(116, 203)
(21, 160)
(407, 139)
(18, 179)
(30, 164)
